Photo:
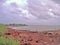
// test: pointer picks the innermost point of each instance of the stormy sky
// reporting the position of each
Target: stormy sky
(31, 12)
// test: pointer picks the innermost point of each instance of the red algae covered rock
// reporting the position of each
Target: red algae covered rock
(35, 38)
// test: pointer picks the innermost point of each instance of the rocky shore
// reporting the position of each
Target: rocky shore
(34, 38)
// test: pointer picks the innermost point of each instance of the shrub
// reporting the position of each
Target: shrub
(10, 41)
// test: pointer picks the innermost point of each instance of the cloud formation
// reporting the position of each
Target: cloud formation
(57, 1)
(32, 12)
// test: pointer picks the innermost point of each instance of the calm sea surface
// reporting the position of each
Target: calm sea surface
(37, 28)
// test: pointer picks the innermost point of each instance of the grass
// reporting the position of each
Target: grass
(10, 41)
(3, 29)
(6, 41)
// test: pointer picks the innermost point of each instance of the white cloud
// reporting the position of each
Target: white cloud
(52, 14)
(20, 3)
(50, 9)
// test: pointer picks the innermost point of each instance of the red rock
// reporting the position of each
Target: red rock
(34, 38)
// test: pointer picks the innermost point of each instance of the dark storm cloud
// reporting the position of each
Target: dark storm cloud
(57, 1)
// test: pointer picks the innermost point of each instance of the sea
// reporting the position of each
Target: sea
(37, 27)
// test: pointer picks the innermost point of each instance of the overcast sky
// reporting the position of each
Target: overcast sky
(32, 12)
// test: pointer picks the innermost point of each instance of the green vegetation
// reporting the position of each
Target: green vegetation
(16, 25)
(3, 29)
(6, 41)
(10, 41)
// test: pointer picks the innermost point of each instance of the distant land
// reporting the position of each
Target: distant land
(15, 24)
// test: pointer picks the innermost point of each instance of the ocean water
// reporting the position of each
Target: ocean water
(37, 28)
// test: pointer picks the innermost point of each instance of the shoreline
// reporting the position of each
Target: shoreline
(32, 28)
(35, 38)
